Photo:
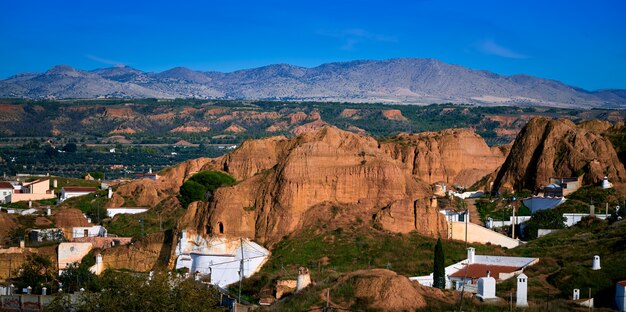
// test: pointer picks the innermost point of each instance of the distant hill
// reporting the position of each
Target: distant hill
(409, 80)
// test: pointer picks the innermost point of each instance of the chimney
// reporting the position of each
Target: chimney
(29, 290)
(596, 263)
(48, 211)
(22, 243)
(30, 204)
(54, 183)
(576, 294)
(304, 279)
(488, 273)
(522, 291)
(44, 291)
(110, 193)
(471, 252)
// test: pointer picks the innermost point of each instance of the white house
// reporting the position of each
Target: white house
(470, 270)
(111, 212)
(89, 231)
(620, 295)
(68, 192)
(69, 253)
(219, 258)
(6, 191)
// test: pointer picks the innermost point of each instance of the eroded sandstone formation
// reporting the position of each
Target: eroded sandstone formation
(324, 175)
(287, 184)
(454, 156)
(558, 148)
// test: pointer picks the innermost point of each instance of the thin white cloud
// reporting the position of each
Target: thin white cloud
(489, 46)
(103, 60)
(353, 36)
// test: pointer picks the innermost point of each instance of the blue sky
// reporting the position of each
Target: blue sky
(582, 43)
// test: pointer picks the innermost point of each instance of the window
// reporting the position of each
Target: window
(220, 227)
(86, 233)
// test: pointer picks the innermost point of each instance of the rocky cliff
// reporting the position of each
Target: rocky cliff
(558, 148)
(454, 156)
(324, 175)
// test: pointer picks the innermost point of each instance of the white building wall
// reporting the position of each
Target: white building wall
(5, 196)
(111, 212)
(67, 195)
(573, 218)
(92, 231)
(219, 256)
(72, 252)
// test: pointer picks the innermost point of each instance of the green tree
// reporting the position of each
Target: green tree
(36, 272)
(202, 185)
(126, 291)
(543, 219)
(77, 276)
(439, 273)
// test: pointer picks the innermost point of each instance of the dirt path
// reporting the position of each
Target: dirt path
(474, 216)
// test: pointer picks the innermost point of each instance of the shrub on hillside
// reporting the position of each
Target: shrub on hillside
(202, 185)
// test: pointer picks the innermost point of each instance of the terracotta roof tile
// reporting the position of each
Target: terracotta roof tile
(5, 185)
(480, 270)
(79, 189)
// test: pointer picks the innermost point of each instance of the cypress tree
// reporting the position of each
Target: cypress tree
(439, 273)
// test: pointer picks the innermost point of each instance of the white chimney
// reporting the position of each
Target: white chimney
(576, 294)
(304, 279)
(22, 243)
(44, 291)
(471, 252)
(596, 263)
(48, 211)
(29, 290)
(110, 193)
(486, 288)
(30, 204)
(522, 291)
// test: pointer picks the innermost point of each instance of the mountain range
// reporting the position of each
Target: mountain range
(406, 80)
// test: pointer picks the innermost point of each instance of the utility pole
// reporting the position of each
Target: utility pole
(513, 219)
(240, 268)
(466, 219)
